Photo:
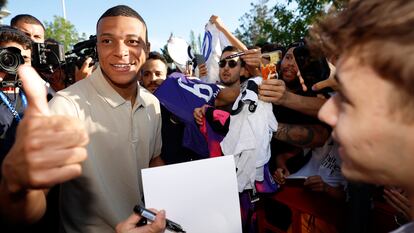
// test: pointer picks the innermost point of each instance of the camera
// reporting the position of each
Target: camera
(47, 56)
(50, 56)
(76, 57)
(10, 60)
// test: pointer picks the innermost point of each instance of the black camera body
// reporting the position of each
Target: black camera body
(76, 57)
(10, 60)
(82, 50)
(47, 56)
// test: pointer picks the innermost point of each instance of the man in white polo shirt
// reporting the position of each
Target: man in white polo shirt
(124, 124)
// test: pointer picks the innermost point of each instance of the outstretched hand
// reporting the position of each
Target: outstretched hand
(85, 71)
(329, 82)
(199, 114)
(216, 20)
(273, 91)
(48, 150)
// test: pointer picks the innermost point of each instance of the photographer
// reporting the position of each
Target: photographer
(33, 28)
(15, 50)
(24, 141)
(30, 26)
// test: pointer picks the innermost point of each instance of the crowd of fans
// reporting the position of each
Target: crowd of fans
(332, 111)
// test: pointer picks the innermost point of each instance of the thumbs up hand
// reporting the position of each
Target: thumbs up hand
(48, 149)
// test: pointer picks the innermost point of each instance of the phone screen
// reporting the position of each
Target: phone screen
(295, 181)
(200, 59)
(273, 57)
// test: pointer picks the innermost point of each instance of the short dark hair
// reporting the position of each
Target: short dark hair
(268, 47)
(157, 56)
(123, 10)
(26, 18)
(231, 48)
(9, 34)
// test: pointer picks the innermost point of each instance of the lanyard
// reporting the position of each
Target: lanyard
(11, 108)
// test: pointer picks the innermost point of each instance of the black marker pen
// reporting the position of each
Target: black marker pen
(148, 214)
(234, 55)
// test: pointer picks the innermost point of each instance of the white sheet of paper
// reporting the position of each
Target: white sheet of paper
(200, 195)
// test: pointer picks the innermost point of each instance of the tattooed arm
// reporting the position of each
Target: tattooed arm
(304, 136)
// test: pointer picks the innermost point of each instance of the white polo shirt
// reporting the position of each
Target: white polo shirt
(123, 140)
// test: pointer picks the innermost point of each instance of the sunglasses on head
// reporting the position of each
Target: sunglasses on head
(232, 63)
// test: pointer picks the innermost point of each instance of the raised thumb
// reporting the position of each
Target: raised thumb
(35, 90)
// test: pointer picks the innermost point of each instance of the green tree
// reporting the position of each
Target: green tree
(195, 43)
(256, 24)
(164, 52)
(284, 22)
(63, 31)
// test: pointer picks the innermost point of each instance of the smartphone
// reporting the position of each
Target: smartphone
(312, 68)
(200, 59)
(273, 57)
(297, 181)
(189, 68)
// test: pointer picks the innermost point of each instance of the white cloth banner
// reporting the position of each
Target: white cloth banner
(213, 43)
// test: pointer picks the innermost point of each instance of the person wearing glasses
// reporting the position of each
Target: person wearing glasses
(233, 71)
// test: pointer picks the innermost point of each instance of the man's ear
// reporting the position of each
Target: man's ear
(148, 49)
(243, 71)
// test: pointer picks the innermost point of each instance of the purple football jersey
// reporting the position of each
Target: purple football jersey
(181, 96)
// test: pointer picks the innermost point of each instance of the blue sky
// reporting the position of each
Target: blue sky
(162, 17)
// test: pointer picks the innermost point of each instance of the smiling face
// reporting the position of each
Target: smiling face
(153, 72)
(375, 141)
(230, 76)
(121, 49)
(289, 67)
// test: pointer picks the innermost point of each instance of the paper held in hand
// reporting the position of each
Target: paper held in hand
(200, 195)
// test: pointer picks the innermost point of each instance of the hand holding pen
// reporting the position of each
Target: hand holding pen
(130, 224)
(152, 217)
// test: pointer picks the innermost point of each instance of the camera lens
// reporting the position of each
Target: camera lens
(10, 59)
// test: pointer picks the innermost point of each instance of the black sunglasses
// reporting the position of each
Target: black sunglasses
(232, 63)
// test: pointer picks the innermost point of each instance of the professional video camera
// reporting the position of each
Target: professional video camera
(47, 56)
(50, 56)
(76, 57)
(10, 60)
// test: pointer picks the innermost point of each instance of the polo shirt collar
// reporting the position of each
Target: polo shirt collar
(108, 93)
